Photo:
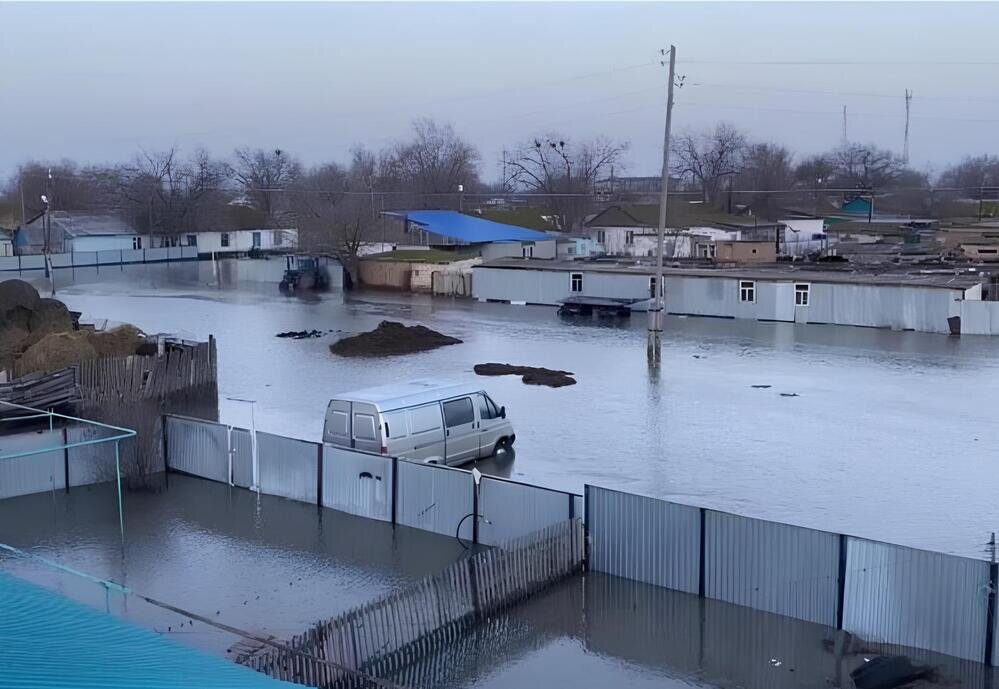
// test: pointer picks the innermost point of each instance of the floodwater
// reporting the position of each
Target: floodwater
(888, 435)
(261, 564)
(598, 631)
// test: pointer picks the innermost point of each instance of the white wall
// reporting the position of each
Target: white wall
(550, 286)
(799, 236)
(114, 242)
(241, 241)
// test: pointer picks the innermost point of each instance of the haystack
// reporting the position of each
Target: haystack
(50, 316)
(123, 340)
(17, 293)
(56, 351)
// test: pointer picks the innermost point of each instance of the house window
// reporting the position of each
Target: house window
(601, 236)
(225, 239)
(747, 291)
(801, 294)
(629, 237)
(256, 240)
(278, 237)
(136, 243)
(192, 240)
(575, 282)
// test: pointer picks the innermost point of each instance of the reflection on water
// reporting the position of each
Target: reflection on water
(601, 631)
(890, 435)
(259, 563)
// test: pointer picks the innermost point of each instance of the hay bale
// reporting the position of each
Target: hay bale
(50, 316)
(17, 293)
(123, 340)
(56, 351)
(18, 316)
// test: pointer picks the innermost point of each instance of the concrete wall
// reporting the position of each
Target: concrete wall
(745, 252)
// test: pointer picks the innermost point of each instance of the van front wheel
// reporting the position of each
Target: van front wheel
(502, 445)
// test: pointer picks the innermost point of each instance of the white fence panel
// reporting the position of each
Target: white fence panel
(34, 473)
(200, 448)
(510, 510)
(241, 447)
(84, 258)
(157, 254)
(900, 595)
(61, 260)
(32, 262)
(10, 263)
(288, 467)
(107, 257)
(133, 255)
(357, 483)
(434, 498)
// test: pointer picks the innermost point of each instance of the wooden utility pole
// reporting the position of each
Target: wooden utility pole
(657, 306)
(905, 146)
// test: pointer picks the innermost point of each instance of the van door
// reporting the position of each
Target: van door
(490, 424)
(337, 427)
(426, 433)
(461, 437)
(366, 428)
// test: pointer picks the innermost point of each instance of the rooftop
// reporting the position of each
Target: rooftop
(86, 224)
(944, 279)
(467, 228)
(681, 213)
(397, 395)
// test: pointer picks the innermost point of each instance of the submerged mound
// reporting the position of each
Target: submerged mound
(391, 338)
(530, 375)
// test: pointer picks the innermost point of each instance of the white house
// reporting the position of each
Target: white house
(79, 232)
(243, 241)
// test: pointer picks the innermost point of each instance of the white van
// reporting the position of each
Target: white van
(447, 423)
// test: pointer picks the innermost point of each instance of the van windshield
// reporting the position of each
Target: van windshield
(487, 408)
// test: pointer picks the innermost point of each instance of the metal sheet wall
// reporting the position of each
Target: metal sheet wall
(200, 448)
(644, 539)
(434, 498)
(32, 262)
(774, 567)
(357, 483)
(35, 473)
(242, 457)
(288, 467)
(61, 260)
(84, 258)
(108, 257)
(157, 254)
(90, 463)
(910, 597)
(510, 510)
(10, 263)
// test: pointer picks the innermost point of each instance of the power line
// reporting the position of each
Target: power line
(843, 63)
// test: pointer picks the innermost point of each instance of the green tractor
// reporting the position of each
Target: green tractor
(305, 273)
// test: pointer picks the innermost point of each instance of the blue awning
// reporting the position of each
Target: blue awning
(468, 228)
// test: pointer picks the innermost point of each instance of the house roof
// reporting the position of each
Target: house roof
(680, 213)
(86, 225)
(531, 218)
(467, 228)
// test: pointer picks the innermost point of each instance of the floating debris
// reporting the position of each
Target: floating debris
(302, 334)
(789, 394)
(761, 387)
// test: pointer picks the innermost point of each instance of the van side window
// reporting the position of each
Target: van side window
(338, 423)
(425, 418)
(487, 408)
(395, 424)
(364, 427)
(458, 412)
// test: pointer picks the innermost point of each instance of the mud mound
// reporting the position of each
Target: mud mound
(17, 293)
(50, 316)
(530, 375)
(391, 338)
(56, 351)
(121, 341)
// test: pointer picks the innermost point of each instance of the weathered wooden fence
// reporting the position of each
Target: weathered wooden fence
(382, 637)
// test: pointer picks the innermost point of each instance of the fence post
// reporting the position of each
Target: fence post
(319, 474)
(841, 582)
(990, 616)
(475, 510)
(703, 555)
(586, 526)
(572, 507)
(65, 457)
(166, 453)
(395, 489)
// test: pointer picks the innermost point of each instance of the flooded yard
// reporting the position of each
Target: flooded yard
(261, 564)
(888, 435)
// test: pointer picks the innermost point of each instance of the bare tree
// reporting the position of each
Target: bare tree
(163, 192)
(972, 174)
(706, 158)
(766, 167)
(434, 161)
(265, 177)
(566, 170)
(814, 172)
(865, 166)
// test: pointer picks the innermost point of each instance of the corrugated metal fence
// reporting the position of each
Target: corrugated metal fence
(430, 497)
(883, 593)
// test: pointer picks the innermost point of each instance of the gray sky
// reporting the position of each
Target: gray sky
(94, 82)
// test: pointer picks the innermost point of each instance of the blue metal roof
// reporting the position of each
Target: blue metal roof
(468, 228)
(50, 642)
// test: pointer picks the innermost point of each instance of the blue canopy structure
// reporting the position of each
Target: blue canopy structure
(468, 228)
(49, 642)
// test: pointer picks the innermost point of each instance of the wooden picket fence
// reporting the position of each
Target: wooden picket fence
(383, 637)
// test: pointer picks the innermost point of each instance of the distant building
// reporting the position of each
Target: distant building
(79, 232)
(244, 241)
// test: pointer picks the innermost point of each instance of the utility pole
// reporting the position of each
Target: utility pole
(21, 185)
(845, 139)
(905, 146)
(658, 306)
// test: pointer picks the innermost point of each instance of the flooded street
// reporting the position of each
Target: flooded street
(890, 435)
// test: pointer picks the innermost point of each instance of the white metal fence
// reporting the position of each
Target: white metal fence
(884, 593)
(84, 259)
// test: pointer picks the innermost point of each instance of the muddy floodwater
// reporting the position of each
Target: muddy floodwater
(889, 435)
